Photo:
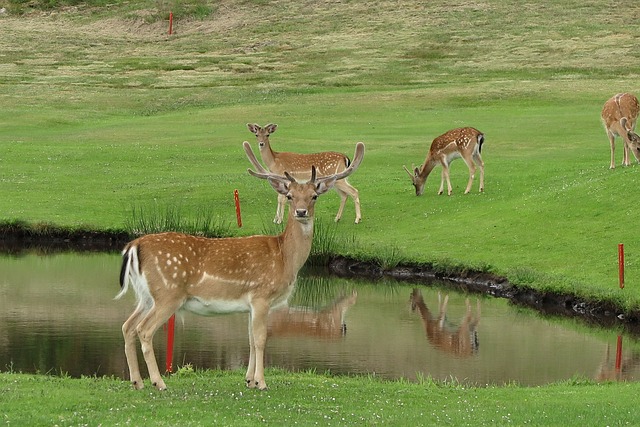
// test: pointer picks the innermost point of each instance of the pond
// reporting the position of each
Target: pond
(58, 316)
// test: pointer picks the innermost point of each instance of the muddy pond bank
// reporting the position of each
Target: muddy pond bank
(15, 241)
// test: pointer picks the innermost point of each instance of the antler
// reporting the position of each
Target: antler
(264, 174)
(358, 155)
(415, 170)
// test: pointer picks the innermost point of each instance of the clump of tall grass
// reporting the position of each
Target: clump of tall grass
(329, 241)
(171, 218)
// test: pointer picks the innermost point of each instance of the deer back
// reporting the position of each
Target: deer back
(622, 105)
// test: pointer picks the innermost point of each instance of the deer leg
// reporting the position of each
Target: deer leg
(612, 138)
(282, 200)
(441, 189)
(478, 159)
(625, 147)
(472, 173)
(130, 351)
(146, 329)
(445, 175)
(343, 202)
(345, 189)
(257, 341)
(251, 368)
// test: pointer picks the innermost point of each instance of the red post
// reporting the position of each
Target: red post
(237, 199)
(619, 353)
(171, 323)
(170, 23)
(621, 264)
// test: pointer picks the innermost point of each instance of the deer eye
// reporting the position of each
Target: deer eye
(314, 197)
(289, 197)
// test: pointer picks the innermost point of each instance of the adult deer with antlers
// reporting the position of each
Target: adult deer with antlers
(299, 166)
(462, 142)
(619, 117)
(171, 272)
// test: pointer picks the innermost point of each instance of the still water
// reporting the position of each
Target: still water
(58, 315)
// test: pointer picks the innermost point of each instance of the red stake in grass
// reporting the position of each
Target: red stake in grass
(170, 23)
(170, 327)
(621, 264)
(237, 198)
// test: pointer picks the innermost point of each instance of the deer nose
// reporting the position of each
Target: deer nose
(301, 213)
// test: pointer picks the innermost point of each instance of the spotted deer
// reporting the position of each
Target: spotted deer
(461, 341)
(619, 117)
(462, 142)
(170, 272)
(328, 322)
(299, 166)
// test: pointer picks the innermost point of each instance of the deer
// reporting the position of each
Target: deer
(619, 117)
(461, 341)
(461, 142)
(299, 166)
(328, 322)
(172, 272)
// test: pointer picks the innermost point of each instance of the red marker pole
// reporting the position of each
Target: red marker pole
(237, 199)
(619, 353)
(171, 323)
(170, 23)
(621, 264)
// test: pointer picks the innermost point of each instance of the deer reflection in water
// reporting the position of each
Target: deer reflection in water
(628, 368)
(328, 322)
(462, 340)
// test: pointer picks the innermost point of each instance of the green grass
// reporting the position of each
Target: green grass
(309, 398)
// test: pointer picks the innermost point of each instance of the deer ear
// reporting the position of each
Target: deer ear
(325, 185)
(623, 123)
(253, 128)
(271, 127)
(280, 186)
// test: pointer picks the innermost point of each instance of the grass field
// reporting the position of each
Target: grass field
(103, 113)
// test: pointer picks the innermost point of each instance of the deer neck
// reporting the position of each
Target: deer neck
(296, 240)
(426, 168)
(268, 156)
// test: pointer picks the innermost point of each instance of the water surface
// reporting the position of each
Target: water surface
(58, 315)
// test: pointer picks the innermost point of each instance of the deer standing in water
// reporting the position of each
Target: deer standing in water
(460, 341)
(172, 271)
(619, 117)
(327, 322)
(462, 142)
(299, 166)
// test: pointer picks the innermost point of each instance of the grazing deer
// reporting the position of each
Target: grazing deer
(461, 341)
(299, 166)
(461, 142)
(172, 271)
(325, 323)
(619, 117)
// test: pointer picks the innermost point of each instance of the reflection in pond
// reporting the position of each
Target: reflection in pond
(461, 340)
(58, 315)
(328, 322)
(622, 368)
